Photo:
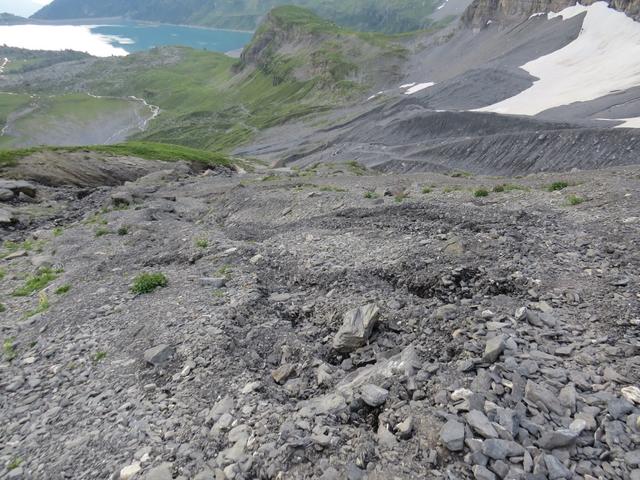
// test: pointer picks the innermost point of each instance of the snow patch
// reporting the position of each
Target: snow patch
(602, 60)
(418, 87)
(407, 85)
(628, 122)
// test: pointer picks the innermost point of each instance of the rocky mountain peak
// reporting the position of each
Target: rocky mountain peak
(481, 12)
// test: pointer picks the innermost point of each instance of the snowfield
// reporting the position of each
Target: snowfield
(415, 88)
(605, 58)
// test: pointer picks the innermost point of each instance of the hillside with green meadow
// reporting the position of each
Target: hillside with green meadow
(298, 64)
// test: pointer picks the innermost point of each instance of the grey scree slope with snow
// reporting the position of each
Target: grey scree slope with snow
(476, 64)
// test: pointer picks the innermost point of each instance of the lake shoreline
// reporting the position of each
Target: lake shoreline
(108, 20)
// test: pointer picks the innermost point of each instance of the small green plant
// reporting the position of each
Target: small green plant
(202, 243)
(63, 289)
(99, 356)
(356, 168)
(557, 186)
(43, 306)
(8, 349)
(452, 188)
(2, 308)
(96, 219)
(10, 247)
(148, 282)
(101, 231)
(401, 197)
(481, 192)
(14, 463)
(331, 188)
(270, 178)
(370, 195)
(508, 187)
(218, 293)
(57, 231)
(122, 231)
(574, 200)
(3, 273)
(224, 271)
(426, 190)
(461, 175)
(35, 283)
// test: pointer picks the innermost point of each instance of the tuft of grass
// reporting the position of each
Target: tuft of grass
(35, 283)
(98, 357)
(43, 306)
(481, 192)
(3, 273)
(461, 175)
(14, 463)
(224, 271)
(371, 195)
(57, 231)
(401, 197)
(148, 282)
(508, 187)
(122, 231)
(356, 168)
(63, 289)
(28, 246)
(574, 200)
(2, 308)
(202, 243)
(426, 190)
(8, 349)
(101, 231)
(557, 186)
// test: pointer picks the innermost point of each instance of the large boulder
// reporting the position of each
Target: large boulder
(19, 186)
(356, 329)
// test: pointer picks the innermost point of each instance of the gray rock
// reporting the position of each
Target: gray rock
(494, 348)
(7, 217)
(619, 408)
(213, 282)
(6, 195)
(632, 458)
(405, 429)
(480, 424)
(482, 473)
(356, 328)
(498, 449)
(635, 475)
(452, 435)
(161, 472)
(556, 470)
(373, 395)
(281, 374)
(42, 261)
(19, 186)
(159, 355)
(557, 439)
(543, 398)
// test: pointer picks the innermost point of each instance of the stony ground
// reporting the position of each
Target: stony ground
(331, 324)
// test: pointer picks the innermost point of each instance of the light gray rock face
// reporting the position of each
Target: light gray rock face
(452, 435)
(19, 186)
(480, 424)
(373, 395)
(356, 328)
(494, 348)
(159, 355)
(501, 449)
(7, 217)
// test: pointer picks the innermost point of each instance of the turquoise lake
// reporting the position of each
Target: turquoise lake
(145, 36)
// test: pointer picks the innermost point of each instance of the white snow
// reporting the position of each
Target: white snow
(407, 85)
(628, 122)
(605, 58)
(418, 87)
(60, 37)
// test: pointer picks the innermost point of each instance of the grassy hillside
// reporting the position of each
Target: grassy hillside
(298, 64)
(145, 150)
(388, 16)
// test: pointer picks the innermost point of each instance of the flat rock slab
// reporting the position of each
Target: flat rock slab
(356, 328)
(159, 355)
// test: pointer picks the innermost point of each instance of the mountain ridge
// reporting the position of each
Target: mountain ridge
(395, 16)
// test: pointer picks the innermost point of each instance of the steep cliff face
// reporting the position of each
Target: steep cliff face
(480, 12)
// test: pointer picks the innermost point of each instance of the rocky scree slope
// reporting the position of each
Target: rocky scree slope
(329, 323)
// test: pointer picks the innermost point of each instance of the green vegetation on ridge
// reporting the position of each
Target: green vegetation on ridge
(387, 16)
